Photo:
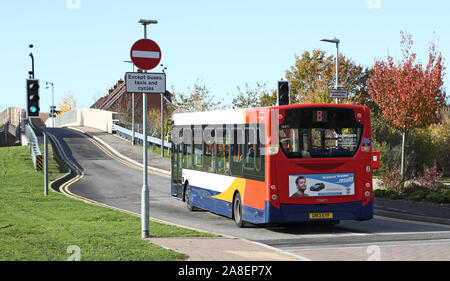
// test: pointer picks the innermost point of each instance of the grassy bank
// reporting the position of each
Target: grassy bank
(34, 227)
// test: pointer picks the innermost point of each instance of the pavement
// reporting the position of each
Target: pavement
(228, 248)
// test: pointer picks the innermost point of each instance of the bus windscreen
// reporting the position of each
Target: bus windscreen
(320, 133)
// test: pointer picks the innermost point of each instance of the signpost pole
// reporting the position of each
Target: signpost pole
(162, 125)
(45, 164)
(145, 208)
(337, 69)
(141, 53)
(132, 121)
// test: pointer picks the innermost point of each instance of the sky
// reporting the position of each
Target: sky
(81, 45)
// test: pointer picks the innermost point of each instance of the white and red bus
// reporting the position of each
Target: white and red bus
(294, 163)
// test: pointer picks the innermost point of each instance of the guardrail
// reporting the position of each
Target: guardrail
(139, 137)
(34, 148)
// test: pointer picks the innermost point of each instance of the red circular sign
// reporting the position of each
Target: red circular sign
(145, 54)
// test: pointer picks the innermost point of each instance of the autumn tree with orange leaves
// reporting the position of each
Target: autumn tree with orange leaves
(67, 104)
(409, 94)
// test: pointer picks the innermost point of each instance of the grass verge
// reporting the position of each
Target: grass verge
(38, 228)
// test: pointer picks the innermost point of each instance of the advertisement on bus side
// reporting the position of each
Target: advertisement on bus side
(322, 185)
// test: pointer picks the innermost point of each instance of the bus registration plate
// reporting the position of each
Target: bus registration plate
(318, 216)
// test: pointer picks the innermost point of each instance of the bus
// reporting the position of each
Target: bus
(292, 163)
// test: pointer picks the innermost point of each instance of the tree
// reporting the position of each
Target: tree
(67, 104)
(200, 99)
(313, 74)
(253, 97)
(409, 95)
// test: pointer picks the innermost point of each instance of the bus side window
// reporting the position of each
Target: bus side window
(237, 150)
(198, 149)
(251, 143)
(259, 161)
(187, 148)
(187, 156)
(223, 150)
(209, 153)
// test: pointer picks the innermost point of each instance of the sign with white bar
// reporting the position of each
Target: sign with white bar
(149, 83)
(338, 94)
(145, 54)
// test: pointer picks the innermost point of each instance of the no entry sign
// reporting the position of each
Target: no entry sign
(145, 54)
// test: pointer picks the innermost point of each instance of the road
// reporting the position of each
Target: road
(107, 180)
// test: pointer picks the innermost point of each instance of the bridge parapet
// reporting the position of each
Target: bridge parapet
(95, 118)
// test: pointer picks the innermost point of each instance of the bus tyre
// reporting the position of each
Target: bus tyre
(187, 198)
(237, 211)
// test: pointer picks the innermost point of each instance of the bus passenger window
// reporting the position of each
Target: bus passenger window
(237, 151)
(223, 152)
(251, 139)
(250, 157)
(197, 156)
(209, 156)
(187, 156)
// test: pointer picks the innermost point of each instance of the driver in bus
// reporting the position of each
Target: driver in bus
(300, 182)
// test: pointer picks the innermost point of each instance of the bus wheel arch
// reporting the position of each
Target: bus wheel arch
(187, 197)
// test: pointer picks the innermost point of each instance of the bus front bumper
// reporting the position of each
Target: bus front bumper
(308, 213)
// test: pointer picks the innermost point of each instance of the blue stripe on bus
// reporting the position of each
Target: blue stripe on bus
(202, 198)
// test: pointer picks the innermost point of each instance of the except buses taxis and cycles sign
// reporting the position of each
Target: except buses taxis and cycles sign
(151, 83)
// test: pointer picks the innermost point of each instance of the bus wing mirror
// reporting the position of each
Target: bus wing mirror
(375, 160)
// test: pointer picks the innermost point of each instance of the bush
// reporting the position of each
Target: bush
(387, 193)
(392, 180)
(418, 195)
(394, 195)
(430, 177)
(379, 193)
(447, 195)
(410, 188)
(437, 197)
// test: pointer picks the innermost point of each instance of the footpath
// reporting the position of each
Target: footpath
(236, 249)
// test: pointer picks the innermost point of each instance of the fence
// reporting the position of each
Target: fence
(34, 148)
(124, 130)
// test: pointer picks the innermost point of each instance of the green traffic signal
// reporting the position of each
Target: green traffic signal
(33, 98)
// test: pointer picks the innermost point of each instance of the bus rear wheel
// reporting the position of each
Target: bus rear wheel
(237, 211)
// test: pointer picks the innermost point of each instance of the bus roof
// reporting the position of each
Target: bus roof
(238, 116)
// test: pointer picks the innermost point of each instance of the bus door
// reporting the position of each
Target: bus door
(177, 190)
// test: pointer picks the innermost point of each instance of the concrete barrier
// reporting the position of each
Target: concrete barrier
(94, 118)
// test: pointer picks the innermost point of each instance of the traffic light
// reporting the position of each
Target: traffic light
(53, 111)
(284, 97)
(284, 93)
(33, 98)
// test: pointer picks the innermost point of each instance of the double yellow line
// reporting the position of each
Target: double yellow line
(64, 188)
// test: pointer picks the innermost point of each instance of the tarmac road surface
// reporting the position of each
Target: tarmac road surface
(106, 179)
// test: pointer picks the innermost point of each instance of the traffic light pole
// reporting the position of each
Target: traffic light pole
(45, 163)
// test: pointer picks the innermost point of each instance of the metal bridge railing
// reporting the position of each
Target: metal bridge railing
(127, 134)
(34, 148)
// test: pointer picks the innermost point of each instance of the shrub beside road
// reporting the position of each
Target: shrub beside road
(53, 228)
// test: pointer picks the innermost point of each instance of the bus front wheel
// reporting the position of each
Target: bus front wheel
(187, 198)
